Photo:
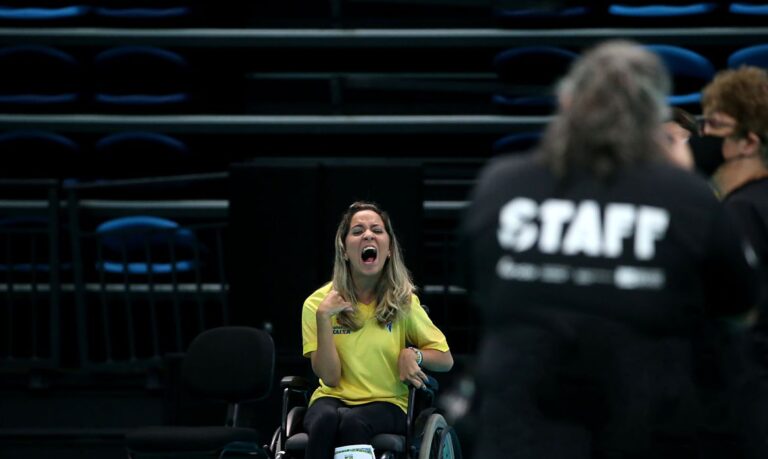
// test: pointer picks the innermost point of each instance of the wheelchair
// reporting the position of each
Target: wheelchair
(428, 435)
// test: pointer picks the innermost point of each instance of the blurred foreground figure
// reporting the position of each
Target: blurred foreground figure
(593, 261)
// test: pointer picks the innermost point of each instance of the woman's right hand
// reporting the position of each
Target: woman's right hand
(333, 304)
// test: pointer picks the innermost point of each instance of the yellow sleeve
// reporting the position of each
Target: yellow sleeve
(421, 332)
(309, 319)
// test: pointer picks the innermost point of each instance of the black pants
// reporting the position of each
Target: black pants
(331, 423)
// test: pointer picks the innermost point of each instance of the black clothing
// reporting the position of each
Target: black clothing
(590, 292)
(748, 207)
(331, 423)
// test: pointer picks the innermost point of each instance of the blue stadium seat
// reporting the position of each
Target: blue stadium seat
(518, 142)
(529, 74)
(656, 10)
(749, 9)
(141, 154)
(38, 154)
(690, 72)
(752, 55)
(28, 13)
(575, 15)
(139, 12)
(38, 78)
(664, 13)
(141, 245)
(141, 78)
(147, 278)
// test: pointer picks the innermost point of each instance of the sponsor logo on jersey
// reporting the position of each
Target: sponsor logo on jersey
(341, 330)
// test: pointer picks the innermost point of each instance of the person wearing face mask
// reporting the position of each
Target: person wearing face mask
(367, 336)
(734, 152)
(735, 108)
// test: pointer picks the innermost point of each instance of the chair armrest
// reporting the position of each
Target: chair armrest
(290, 385)
(295, 383)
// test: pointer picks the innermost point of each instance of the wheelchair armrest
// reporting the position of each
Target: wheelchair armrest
(431, 384)
(295, 383)
(430, 391)
(291, 385)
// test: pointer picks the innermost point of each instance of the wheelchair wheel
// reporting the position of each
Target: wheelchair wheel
(439, 440)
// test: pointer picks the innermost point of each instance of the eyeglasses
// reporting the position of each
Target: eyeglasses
(715, 124)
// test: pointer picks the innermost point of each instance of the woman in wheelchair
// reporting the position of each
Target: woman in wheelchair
(355, 329)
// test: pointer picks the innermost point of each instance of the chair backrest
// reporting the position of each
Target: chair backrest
(144, 244)
(661, 9)
(232, 363)
(752, 55)
(141, 154)
(518, 142)
(38, 77)
(576, 14)
(690, 71)
(748, 9)
(143, 12)
(38, 154)
(150, 275)
(41, 13)
(529, 74)
(141, 77)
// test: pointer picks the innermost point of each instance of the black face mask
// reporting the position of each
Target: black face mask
(707, 153)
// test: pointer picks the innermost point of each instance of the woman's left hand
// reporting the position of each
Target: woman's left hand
(410, 371)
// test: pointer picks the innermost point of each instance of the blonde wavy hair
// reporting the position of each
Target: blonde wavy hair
(394, 288)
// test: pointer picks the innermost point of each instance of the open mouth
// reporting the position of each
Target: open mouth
(369, 254)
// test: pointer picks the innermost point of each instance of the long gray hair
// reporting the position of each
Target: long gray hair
(612, 104)
(395, 287)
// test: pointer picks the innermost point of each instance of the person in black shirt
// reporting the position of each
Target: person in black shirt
(735, 107)
(591, 260)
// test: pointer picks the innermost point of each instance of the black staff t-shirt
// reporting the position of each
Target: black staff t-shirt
(589, 291)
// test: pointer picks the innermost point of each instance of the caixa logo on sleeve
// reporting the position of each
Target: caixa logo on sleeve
(341, 330)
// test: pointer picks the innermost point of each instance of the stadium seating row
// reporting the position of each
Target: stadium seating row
(134, 79)
(44, 154)
(175, 13)
(141, 276)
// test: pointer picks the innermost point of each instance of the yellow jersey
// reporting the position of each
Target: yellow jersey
(369, 355)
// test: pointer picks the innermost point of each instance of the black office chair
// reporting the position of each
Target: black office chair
(229, 363)
(427, 436)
